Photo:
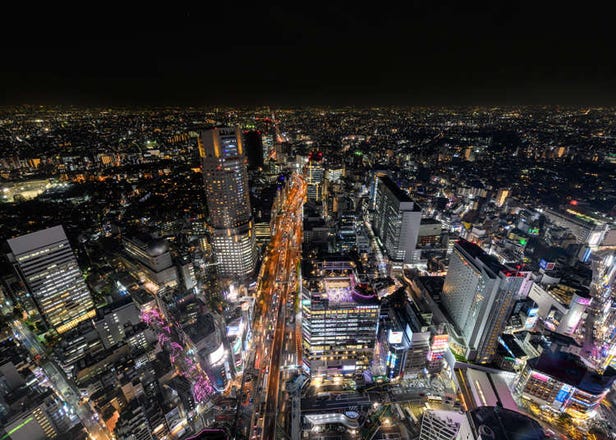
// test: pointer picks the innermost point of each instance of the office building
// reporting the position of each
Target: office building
(339, 319)
(396, 221)
(38, 418)
(494, 422)
(479, 294)
(57, 297)
(228, 200)
(585, 229)
(315, 174)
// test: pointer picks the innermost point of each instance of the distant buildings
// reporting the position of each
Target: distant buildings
(396, 221)
(226, 187)
(479, 294)
(340, 319)
(56, 294)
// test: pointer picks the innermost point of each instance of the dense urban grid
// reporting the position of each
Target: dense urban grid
(312, 273)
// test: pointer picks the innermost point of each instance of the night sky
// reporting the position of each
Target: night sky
(427, 53)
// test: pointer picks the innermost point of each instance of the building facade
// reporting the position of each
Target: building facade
(339, 320)
(396, 220)
(56, 294)
(479, 294)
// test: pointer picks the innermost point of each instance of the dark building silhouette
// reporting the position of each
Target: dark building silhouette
(253, 146)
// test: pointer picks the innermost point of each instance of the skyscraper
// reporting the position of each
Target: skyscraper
(56, 295)
(254, 149)
(479, 294)
(228, 200)
(396, 220)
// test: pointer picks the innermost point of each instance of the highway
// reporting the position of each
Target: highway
(277, 285)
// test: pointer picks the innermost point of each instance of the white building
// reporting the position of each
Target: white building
(396, 221)
(479, 294)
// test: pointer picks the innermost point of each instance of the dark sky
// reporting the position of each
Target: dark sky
(430, 52)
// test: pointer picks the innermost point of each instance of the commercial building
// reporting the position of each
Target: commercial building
(207, 338)
(404, 336)
(444, 425)
(56, 296)
(585, 229)
(560, 380)
(479, 294)
(494, 422)
(150, 260)
(396, 221)
(339, 319)
(228, 200)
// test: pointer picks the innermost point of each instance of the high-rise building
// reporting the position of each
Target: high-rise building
(479, 294)
(315, 175)
(254, 149)
(56, 296)
(396, 220)
(228, 201)
(339, 320)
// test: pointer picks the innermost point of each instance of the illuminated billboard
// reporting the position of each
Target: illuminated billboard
(217, 355)
(546, 265)
(594, 239)
(394, 337)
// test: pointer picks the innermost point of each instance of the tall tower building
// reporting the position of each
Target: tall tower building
(479, 294)
(56, 294)
(228, 200)
(396, 220)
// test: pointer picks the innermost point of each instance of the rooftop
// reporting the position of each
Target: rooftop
(499, 423)
(400, 194)
(568, 368)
